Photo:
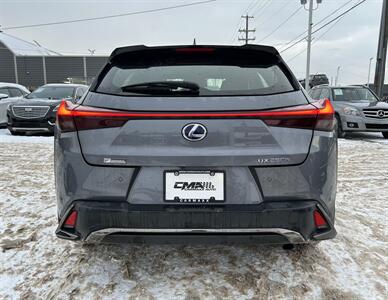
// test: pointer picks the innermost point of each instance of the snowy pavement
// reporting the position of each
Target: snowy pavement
(34, 264)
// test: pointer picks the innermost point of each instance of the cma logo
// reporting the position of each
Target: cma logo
(273, 160)
(194, 186)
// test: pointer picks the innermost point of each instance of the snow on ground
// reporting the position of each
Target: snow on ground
(34, 264)
(6, 137)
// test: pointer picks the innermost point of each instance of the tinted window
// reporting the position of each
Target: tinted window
(15, 92)
(52, 92)
(5, 91)
(212, 80)
(221, 72)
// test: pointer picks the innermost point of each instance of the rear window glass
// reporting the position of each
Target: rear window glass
(212, 80)
(223, 77)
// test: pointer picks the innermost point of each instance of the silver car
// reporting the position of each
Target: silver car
(357, 109)
(196, 144)
(9, 93)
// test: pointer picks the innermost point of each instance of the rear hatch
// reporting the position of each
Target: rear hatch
(195, 106)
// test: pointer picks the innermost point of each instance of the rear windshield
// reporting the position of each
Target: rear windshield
(222, 77)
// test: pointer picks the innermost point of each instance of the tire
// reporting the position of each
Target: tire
(385, 134)
(340, 133)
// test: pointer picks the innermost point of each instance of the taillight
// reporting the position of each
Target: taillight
(325, 119)
(318, 116)
(195, 50)
(65, 119)
(319, 220)
(71, 220)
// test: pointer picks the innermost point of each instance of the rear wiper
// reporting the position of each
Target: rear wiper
(163, 88)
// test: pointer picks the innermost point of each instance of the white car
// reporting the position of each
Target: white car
(9, 92)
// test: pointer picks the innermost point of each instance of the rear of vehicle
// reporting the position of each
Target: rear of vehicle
(37, 112)
(318, 79)
(205, 144)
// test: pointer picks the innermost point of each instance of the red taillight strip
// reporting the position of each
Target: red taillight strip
(68, 113)
(194, 50)
(84, 111)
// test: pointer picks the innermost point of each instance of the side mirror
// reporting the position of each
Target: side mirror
(3, 96)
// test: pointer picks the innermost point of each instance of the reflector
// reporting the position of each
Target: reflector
(71, 220)
(319, 220)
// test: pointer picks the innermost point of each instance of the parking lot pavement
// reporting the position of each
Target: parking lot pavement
(35, 264)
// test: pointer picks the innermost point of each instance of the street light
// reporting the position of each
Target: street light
(336, 77)
(370, 64)
(310, 26)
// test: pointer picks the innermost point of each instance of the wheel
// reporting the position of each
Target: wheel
(385, 134)
(338, 127)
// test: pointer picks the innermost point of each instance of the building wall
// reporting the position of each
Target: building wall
(59, 69)
(7, 67)
(94, 64)
(30, 71)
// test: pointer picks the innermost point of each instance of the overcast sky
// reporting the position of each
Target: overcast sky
(349, 44)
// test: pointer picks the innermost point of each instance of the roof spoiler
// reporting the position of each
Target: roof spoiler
(137, 48)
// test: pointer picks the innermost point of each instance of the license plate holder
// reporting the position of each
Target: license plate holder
(194, 186)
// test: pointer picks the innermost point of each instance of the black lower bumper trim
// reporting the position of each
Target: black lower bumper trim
(290, 221)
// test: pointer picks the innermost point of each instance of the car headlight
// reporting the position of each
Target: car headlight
(56, 107)
(351, 111)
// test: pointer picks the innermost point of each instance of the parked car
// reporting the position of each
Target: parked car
(357, 109)
(196, 143)
(314, 80)
(9, 93)
(36, 112)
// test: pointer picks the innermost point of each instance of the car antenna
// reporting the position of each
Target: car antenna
(194, 42)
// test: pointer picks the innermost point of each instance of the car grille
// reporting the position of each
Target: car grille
(30, 112)
(376, 126)
(376, 113)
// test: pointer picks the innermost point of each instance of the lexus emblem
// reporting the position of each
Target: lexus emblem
(194, 132)
(381, 114)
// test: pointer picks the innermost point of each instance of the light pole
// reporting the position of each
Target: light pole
(381, 57)
(309, 39)
(370, 64)
(336, 77)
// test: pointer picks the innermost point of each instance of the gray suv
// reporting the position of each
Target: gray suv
(196, 144)
(357, 108)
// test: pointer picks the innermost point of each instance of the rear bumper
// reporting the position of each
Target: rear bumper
(269, 222)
